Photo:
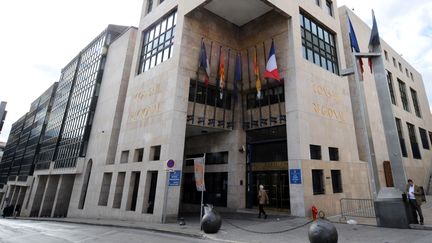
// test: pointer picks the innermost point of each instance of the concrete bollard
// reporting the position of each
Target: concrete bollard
(322, 231)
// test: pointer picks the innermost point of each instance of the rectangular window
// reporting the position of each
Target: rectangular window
(400, 67)
(412, 77)
(318, 2)
(124, 156)
(386, 55)
(210, 158)
(403, 94)
(216, 189)
(315, 152)
(407, 73)
(213, 95)
(415, 103)
(157, 42)
(430, 136)
(105, 188)
(394, 62)
(391, 89)
(155, 152)
(133, 191)
(118, 192)
(319, 44)
(336, 181)
(149, 5)
(150, 192)
(329, 7)
(161, 1)
(413, 140)
(138, 155)
(276, 93)
(334, 154)
(318, 182)
(424, 138)
(401, 137)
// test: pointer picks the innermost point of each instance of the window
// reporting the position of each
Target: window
(149, 5)
(400, 67)
(391, 89)
(118, 192)
(334, 154)
(318, 182)
(155, 152)
(161, 1)
(133, 191)
(105, 188)
(138, 155)
(386, 55)
(315, 152)
(424, 138)
(212, 95)
(412, 77)
(407, 73)
(430, 136)
(124, 156)
(216, 189)
(401, 138)
(415, 102)
(274, 95)
(318, 44)
(210, 158)
(329, 7)
(318, 2)
(394, 62)
(336, 181)
(157, 43)
(413, 140)
(403, 94)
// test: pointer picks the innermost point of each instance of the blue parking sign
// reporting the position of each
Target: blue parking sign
(295, 176)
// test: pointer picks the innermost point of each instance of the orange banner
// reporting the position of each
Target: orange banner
(199, 174)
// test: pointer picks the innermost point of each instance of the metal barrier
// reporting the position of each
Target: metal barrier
(363, 208)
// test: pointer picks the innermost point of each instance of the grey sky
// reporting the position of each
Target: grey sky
(41, 37)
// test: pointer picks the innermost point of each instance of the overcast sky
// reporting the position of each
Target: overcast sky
(41, 37)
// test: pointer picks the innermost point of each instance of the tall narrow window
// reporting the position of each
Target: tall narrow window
(415, 103)
(318, 182)
(318, 2)
(318, 43)
(149, 6)
(334, 154)
(424, 138)
(400, 67)
(85, 185)
(386, 55)
(391, 89)
(329, 7)
(133, 191)
(413, 140)
(394, 62)
(157, 42)
(118, 192)
(403, 94)
(124, 156)
(105, 188)
(336, 181)
(315, 152)
(401, 137)
(138, 155)
(155, 152)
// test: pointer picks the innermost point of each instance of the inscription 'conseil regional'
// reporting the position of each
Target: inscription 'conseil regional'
(327, 110)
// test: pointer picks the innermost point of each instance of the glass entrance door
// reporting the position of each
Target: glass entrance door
(277, 187)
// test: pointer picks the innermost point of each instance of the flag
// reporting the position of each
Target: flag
(271, 67)
(221, 78)
(204, 63)
(374, 40)
(199, 174)
(354, 43)
(257, 76)
(237, 75)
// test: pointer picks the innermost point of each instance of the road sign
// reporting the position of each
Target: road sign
(295, 176)
(174, 178)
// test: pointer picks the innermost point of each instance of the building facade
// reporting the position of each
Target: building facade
(122, 109)
(3, 113)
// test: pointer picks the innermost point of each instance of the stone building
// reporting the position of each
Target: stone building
(299, 138)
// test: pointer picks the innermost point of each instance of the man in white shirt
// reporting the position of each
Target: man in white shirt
(414, 197)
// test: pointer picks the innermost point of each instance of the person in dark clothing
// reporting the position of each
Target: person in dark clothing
(414, 197)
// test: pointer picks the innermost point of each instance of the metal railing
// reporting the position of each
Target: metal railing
(363, 208)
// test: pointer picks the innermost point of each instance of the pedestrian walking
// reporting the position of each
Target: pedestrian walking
(414, 194)
(262, 200)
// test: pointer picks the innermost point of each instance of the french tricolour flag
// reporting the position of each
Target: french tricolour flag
(271, 67)
(204, 63)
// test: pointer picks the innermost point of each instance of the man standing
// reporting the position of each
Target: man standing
(414, 197)
(262, 199)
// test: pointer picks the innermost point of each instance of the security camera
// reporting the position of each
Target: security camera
(242, 149)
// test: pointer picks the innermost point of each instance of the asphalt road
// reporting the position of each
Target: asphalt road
(25, 231)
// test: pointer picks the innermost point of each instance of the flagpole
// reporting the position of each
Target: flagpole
(259, 99)
(202, 193)
(225, 88)
(196, 83)
(267, 86)
(234, 95)
(241, 93)
(250, 87)
(217, 88)
(205, 102)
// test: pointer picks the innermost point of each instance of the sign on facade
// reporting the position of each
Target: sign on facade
(295, 176)
(174, 178)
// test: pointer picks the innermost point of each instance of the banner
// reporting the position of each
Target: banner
(199, 174)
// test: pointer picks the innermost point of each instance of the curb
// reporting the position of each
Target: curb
(420, 227)
(153, 229)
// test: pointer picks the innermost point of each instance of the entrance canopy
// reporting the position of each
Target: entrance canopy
(238, 12)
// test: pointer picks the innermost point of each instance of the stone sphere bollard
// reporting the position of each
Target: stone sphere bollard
(322, 231)
(211, 222)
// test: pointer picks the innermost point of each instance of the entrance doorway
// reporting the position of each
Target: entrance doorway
(277, 186)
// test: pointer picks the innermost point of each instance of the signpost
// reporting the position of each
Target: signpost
(172, 179)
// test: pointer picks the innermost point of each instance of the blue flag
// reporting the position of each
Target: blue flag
(237, 75)
(353, 38)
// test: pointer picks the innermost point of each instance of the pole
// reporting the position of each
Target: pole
(165, 198)
(202, 195)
